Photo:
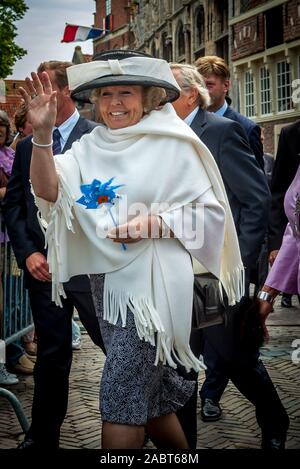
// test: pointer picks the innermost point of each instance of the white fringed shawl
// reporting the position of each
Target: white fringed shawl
(160, 159)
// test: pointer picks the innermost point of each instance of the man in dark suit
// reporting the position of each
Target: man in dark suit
(249, 198)
(216, 75)
(52, 323)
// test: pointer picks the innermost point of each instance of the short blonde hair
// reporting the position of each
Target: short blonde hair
(60, 71)
(213, 65)
(190, 78)
(152, 97)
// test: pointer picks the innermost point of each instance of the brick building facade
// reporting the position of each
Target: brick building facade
(265, 61)
(181, 30)
(260, 39)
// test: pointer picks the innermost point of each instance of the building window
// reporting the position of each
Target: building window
(153, 49)
(180, 41)
(200, 26)
(107, 7)
(166, 47)
(222, 48)
(233, 8)
(249, 95)
(177, 4)
(274, 27)
(265, 91)
(284, 86)
(244, 5)
(222, 16)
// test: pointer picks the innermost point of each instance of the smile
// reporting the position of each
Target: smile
(118, 113)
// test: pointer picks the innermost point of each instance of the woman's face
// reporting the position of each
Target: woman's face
(121, 106)
(3, 134)
(26, 129)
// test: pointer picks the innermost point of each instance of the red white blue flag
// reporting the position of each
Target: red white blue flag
(75, 33)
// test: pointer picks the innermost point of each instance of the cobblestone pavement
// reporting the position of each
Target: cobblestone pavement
(236, 429)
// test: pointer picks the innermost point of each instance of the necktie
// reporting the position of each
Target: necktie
(56, 147)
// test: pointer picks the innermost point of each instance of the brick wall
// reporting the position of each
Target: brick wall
(12, 100)
(119, 10)
(118, 42)
(247, 37)
(291, 21)
(100, 13)
(269, 133)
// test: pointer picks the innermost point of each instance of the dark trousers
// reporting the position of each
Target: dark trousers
(230, 359)
(54, 357)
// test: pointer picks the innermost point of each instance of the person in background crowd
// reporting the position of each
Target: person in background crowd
(23, 127)
(17, 360)
(216, 75)
(268, 159)
(285, 272)
(284, 171)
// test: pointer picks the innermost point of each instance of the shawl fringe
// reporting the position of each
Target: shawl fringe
(60, 212)
(235, 284)
(149, 327)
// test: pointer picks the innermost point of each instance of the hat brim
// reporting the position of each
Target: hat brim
(82, 93)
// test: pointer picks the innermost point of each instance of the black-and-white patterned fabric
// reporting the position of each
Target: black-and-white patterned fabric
(134, 390)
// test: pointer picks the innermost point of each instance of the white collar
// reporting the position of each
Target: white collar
(221, 111)
(66, 127)
(189, 119)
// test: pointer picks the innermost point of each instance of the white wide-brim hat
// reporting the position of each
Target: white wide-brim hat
(121, 67)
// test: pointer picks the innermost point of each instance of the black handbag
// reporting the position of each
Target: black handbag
(208, 307)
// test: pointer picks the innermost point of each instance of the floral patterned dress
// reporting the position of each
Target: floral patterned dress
(134, 390)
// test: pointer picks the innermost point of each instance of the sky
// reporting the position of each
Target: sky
(41, 30)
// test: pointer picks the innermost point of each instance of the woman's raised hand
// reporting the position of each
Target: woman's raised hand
(41, 101)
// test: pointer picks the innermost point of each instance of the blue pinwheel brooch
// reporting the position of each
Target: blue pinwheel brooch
(97, 194)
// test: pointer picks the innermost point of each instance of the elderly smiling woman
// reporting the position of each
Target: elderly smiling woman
(143, 161)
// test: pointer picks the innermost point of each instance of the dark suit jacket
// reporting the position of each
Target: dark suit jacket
(20, 211)
(245, 182)
(253, 133)
(285, 167)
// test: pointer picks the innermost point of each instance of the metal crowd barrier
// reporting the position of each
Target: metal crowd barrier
(15, 313)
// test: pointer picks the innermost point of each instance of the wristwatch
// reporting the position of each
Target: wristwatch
(264, 295)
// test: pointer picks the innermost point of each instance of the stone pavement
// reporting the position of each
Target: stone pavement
(236, 430)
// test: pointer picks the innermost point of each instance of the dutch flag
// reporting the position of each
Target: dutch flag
(75, 33)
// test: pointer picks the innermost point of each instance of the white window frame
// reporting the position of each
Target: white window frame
(107, 7)
(265, 91)
(249, 94)
(283, 90)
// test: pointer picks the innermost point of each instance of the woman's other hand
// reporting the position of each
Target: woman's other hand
(135, 230)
